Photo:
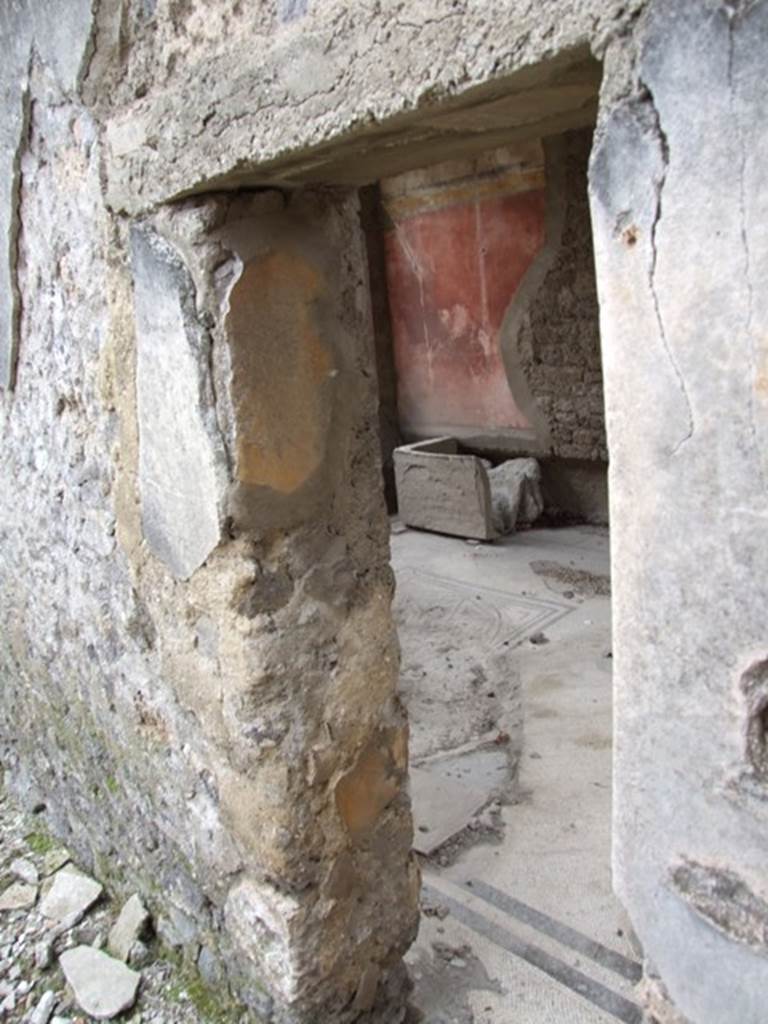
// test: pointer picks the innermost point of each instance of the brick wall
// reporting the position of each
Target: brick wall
(558, 343)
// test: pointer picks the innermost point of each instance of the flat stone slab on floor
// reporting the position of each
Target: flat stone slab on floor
(442, 806)
(103, 986)
(71, 894)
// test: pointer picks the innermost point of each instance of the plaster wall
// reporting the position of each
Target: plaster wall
(460, 238)
(491, 285)
(678, 198)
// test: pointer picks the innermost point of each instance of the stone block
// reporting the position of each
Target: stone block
(515, 494)
(180, 450)
(441, 489)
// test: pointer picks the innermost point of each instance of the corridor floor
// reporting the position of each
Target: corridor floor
(507, 677)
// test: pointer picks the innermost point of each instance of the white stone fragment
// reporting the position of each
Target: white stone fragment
(25, 870)
(54, 860)
(127, 929)
(43, 955)
(18, 896)
(103, 986)
(515, 494)
(42, 1012)
(71, 894)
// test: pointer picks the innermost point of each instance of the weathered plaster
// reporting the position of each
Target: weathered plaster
(345, 94)
(676, 267)
(58, 34)
(459, 239)
(225, 710)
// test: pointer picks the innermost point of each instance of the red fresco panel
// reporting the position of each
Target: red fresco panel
(452, 273)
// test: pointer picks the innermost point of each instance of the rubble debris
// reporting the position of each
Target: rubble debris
(18, 896)
(32, 986)
(54, 860)
(515, 494)
(579, 581)
(103, 986)
(128, 929)
(70, 896)
(25, 871)
(42, 1012)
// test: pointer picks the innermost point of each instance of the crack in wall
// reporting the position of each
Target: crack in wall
(732, 14)
(659, 189)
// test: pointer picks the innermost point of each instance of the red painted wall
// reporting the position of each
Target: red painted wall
(461, 238)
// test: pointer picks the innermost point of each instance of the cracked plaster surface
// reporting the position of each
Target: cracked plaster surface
(681, 335)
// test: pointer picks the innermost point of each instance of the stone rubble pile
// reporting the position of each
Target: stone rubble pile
(65, 957)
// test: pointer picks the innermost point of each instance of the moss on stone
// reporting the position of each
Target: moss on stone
(212, 1005)
(40, 842)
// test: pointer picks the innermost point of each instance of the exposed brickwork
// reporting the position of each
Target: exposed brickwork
(559, 341)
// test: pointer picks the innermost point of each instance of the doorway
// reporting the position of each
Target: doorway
(489, 336)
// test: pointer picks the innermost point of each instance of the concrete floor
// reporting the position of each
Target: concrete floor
(520, 924)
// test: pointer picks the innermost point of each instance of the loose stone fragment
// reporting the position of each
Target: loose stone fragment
(54, 860)
(44, 954)
(128, 928)
(18, 896)
(71, 894)
(103, 986)
(42, 1012)
(139, 955)
(25, 870)
(515, 494)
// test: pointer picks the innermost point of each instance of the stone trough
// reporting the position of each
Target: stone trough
(447, 490)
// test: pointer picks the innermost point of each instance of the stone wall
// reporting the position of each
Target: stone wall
(336, 92)
(198, 660)
(557, 344)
